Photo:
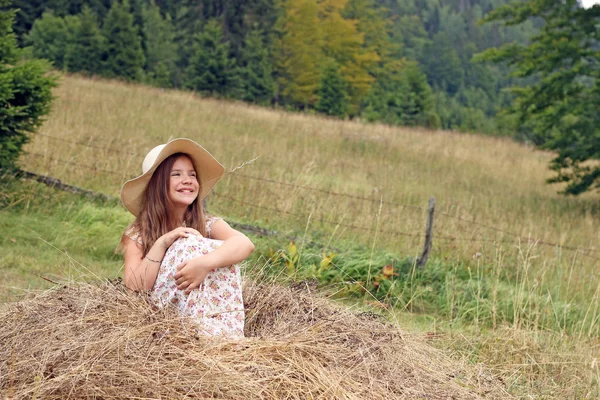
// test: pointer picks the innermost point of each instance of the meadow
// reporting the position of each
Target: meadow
(512, 281)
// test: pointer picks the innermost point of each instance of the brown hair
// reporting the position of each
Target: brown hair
(154, 220)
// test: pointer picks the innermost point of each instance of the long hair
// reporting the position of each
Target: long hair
(154, 219)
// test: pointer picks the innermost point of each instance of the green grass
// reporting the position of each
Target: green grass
(50, 234)
(60, 236)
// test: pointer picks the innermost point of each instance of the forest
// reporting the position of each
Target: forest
(400, 62)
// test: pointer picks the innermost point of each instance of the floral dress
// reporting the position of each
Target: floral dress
(217, 305)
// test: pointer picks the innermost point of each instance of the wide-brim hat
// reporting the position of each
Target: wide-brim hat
(209, 171)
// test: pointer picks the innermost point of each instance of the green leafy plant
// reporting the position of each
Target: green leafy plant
(25, 93)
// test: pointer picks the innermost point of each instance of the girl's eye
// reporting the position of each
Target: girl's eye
(175, 174)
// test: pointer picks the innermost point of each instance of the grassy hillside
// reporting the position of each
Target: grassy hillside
(496, 290)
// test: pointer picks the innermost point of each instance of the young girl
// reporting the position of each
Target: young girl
(173, 250)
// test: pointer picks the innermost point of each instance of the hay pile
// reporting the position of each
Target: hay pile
(102, 341)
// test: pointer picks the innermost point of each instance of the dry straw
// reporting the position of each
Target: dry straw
(102, 341)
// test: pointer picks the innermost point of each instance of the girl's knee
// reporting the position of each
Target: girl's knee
(187, 241)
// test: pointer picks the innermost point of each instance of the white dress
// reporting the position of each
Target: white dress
(217, 305)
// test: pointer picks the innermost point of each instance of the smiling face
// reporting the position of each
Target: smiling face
(183, 183)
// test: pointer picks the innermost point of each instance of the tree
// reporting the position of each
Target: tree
(123, 51)
(418, 102)
(560, 110)
(25, 93)
(256, 72)
(51, 35)
(299, 52)
(442, 65)
(373, 24)
(31, 10)
(401, 96)
(333, 92)
(344, 43)
(84, 54)
(211, 70)
(161, 50)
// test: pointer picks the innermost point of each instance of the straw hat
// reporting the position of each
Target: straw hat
(208, 168)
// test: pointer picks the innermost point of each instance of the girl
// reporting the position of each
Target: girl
(173, 250)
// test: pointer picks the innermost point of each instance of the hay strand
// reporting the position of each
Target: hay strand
(102, 341)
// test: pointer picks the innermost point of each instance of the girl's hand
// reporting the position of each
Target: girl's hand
(190, 274)
(167, 239)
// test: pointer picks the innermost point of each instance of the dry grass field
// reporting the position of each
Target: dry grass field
(348, 182)
(100, 131)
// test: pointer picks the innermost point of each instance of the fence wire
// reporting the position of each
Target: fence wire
(581, 250)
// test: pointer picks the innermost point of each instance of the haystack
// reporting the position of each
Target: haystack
(101, 341)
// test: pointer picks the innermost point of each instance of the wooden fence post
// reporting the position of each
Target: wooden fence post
(422, 260)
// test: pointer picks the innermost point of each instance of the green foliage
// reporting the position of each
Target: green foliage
(8, 43)
(344, 43)
(560, 110)
(456, 115)
(418, 104)
(124, 56)
(53, 233)
(211, 70)
(31, 10)
(333, 92)
(299, 52)
(159, 43)
(84, 54)
(276, 52)
(442, 65)
(51, 37)
(474, 293)
(375, 26)
(401, 96)
(25, 93)
(256, 71)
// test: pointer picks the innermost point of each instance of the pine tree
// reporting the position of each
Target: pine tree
(50, 37)
(256, 72)
(442, 65)
(373, 24)
(385, 100)
(25, 93)
(31, 10)
(418, 100)
(186, 30)
(333, 92)
(84, 54)
(401, 96)
(560, 110)
(123, 50)
(161, 50)
(211, 70)
(299, 52)
(345, 44)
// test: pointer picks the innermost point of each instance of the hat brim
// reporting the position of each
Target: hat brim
(208, 168)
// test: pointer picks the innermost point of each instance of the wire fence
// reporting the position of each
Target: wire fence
(235, 174)
(75, 164)
(327, 221)
(329, 192)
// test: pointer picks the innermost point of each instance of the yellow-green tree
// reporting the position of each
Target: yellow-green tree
(312, 34)
(299, 52)
(372, 21)
(344, 43)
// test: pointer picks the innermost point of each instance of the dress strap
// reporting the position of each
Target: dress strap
(132, 233)
(209, 223)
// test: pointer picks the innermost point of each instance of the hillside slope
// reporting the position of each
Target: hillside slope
(513, 278)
